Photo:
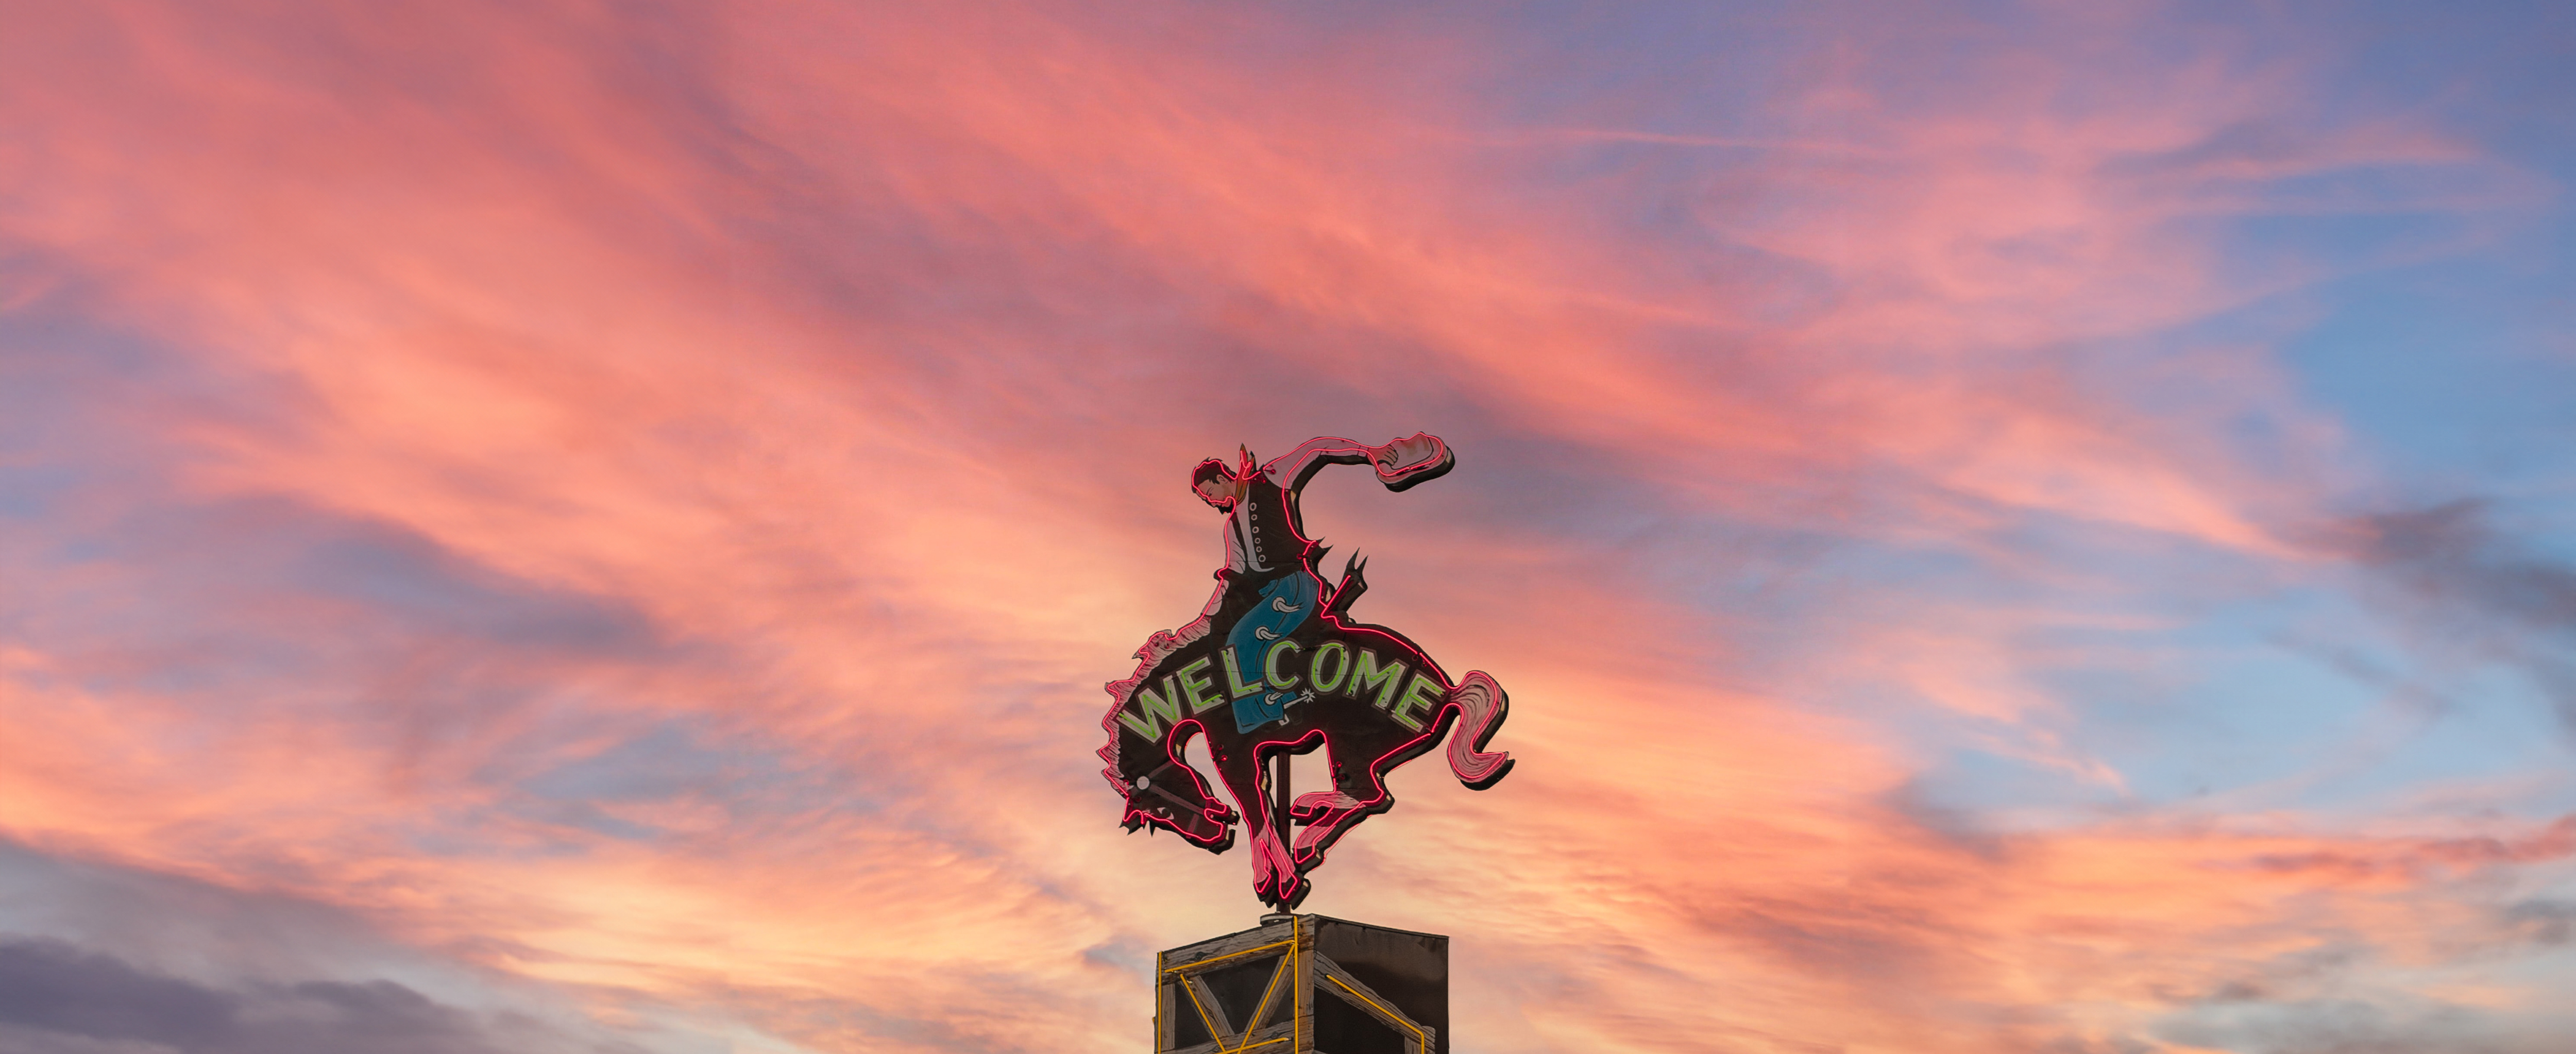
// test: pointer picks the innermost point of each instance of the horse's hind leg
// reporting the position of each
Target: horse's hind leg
(1356, 790)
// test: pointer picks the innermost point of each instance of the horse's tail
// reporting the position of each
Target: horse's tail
(1482, 706)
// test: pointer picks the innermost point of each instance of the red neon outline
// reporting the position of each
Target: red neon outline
(1325, 824)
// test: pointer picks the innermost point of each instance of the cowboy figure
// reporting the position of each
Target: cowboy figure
(1268, 569)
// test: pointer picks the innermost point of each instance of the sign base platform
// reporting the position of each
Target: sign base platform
(1305, 984)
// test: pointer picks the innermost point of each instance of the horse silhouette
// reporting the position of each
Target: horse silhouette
(1276, 666)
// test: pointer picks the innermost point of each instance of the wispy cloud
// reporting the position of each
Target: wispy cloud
(640, 502)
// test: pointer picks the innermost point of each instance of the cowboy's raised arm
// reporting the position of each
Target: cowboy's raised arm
(1400, 463)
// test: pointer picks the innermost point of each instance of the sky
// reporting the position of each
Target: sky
(601, 526)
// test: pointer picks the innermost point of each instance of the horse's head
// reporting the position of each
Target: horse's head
(1166, 792)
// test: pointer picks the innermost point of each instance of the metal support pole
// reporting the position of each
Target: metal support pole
(1287, 795)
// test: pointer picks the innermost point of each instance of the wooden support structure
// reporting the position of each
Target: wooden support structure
(1305, 984)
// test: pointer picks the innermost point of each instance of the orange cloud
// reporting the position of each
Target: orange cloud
(858, 352)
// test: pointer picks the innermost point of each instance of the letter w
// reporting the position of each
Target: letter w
(1166, 707)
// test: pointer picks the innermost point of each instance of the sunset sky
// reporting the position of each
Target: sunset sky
(539, 527)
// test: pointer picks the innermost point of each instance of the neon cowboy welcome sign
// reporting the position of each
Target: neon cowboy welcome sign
(1275, 666)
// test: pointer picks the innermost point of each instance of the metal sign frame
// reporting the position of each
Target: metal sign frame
(1302, 977)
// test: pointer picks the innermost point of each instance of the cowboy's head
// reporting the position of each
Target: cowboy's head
(1219, 484)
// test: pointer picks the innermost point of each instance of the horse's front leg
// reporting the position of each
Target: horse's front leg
(1274, 874)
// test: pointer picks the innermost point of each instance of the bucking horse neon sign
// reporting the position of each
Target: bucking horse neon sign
(1274, 666)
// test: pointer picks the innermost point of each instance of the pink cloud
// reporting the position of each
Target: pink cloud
(860, 352)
